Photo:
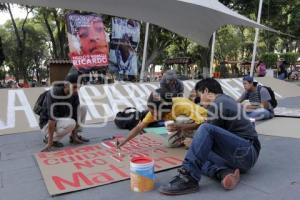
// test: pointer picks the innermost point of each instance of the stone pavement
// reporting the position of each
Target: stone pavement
(276, 176)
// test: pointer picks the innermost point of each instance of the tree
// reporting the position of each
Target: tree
(43, 16)
(159, 40)
(20, 37)
(2, 56)
(54, 22)
(229, 43)
(35, 44)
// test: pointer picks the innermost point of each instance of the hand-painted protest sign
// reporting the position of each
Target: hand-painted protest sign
(87, 41)
(124, 43)
(83, 167)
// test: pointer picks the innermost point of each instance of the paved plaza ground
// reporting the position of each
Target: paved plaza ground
(276, 175)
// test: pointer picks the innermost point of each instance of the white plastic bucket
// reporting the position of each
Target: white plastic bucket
(142, 177)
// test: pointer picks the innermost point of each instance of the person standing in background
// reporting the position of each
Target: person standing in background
(282, 72)
(260, 69)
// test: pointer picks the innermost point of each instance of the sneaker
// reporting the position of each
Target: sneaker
(83, 139)
(55, 143)
(230, 179)
(181, 184)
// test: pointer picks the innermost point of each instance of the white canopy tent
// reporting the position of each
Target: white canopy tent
(193, 19)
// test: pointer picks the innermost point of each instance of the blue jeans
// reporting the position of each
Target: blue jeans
(260, 114)
(214, 149)
(281, 76)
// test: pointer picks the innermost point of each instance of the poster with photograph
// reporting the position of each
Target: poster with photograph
(87, 41)
(125, 38)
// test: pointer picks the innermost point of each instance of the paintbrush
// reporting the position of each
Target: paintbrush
(118, 148)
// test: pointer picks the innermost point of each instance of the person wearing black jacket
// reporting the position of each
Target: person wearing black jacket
(62, 114)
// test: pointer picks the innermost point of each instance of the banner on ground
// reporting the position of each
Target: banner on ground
(124, 41)
(83, 167)
(87, 41)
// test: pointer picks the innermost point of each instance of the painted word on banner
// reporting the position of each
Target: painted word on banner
(73, 169)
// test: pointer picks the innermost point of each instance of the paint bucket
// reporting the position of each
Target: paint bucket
(167, 123)
(142, 174)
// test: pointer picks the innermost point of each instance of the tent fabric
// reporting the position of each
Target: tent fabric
(193, 19)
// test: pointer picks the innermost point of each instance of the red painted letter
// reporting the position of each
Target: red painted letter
(77, 177)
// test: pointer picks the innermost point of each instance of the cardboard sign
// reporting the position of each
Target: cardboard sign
(83, 167)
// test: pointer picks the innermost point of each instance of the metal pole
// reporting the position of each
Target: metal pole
(256, 38)
(212, 54)
(144, 53)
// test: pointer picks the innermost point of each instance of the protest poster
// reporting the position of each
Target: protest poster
(124, 42)
(87, 41)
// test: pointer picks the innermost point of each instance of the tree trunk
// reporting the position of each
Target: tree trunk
(51, 35)
(19, 43)
(155, 53)
(64, 41)
(59, 34)
(23, 68)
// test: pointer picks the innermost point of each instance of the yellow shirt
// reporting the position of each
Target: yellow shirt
(182, 106)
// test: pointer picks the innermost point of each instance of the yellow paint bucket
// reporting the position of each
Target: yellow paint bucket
(142, 177)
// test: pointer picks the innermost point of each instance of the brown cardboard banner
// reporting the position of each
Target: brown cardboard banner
(104, 101)
(73, 169)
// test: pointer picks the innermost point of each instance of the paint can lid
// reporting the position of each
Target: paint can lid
(141, 160)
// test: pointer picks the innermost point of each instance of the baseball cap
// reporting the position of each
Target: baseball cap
(170, 75)
(72, 77)
(249, 79)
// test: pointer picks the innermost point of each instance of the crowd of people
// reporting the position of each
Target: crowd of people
(102, 76)
(217, 130)
(13, 84)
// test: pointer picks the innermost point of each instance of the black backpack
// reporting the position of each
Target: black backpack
(39, 103)
(273, 100)
(129, 118)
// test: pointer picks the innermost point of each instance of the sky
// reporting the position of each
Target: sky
(17, 13)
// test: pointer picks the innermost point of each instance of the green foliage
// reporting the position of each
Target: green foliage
(229, 42)
(217, 68)
(269, 59)
(35, 45)
(290, 58)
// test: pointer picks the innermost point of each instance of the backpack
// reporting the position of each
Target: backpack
(273, 100)
(262, 70)
(129, 118)
(39, 103)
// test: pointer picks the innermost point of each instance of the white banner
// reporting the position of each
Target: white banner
(104, 101)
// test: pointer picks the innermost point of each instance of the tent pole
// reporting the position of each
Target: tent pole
(212, 54)
(256, 38)
(144, 53)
